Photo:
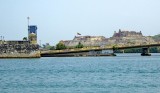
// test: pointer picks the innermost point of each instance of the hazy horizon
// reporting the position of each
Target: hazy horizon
(62, 19)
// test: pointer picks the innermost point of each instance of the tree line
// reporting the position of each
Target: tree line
(139, 50)
(61, 46)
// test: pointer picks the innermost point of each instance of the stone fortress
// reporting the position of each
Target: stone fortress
(21, 48)
(86, 41)
(120, 38)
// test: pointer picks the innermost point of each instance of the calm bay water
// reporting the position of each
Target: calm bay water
(125, 73)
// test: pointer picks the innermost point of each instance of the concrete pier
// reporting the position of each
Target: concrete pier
(145, 52)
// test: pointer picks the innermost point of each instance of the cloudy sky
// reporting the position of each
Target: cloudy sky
(62, 19)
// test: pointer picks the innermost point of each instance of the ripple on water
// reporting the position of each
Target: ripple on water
(89, 74)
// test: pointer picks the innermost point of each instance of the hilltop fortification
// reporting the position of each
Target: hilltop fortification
(127, 34)
(86, 41)
(121, 38)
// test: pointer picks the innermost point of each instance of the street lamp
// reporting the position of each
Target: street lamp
(1, 39)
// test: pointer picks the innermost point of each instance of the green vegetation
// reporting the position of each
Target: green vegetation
(60, 46)
(136, 50)
(79, 45)
(155, 50)
(47, 46)
(25, 38)
(139, 50)
(156, 37)
(114, 48)
(52, 48)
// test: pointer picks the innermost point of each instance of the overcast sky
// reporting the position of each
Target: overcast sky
(62, 19)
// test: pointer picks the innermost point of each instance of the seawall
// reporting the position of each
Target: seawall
(35, 54)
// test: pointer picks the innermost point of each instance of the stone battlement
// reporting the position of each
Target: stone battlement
(86, 41)
(18, 49)
(92, 38)
(127, 33)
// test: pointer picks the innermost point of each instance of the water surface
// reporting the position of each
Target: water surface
(125, 73)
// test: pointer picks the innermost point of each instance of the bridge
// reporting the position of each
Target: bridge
(96, 51)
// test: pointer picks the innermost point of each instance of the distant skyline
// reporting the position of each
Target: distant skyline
(62, 19)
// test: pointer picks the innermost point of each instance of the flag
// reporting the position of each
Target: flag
(78, 33)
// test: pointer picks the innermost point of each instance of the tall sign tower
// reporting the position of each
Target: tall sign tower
(32, 33)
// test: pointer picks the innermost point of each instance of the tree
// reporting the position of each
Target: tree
(79, 45)
(25, 38)
(60, 46)
(52, 48)
(156, 38)
(48, 47)
(114, 48)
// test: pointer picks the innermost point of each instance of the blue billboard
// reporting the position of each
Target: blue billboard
(32, 29)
